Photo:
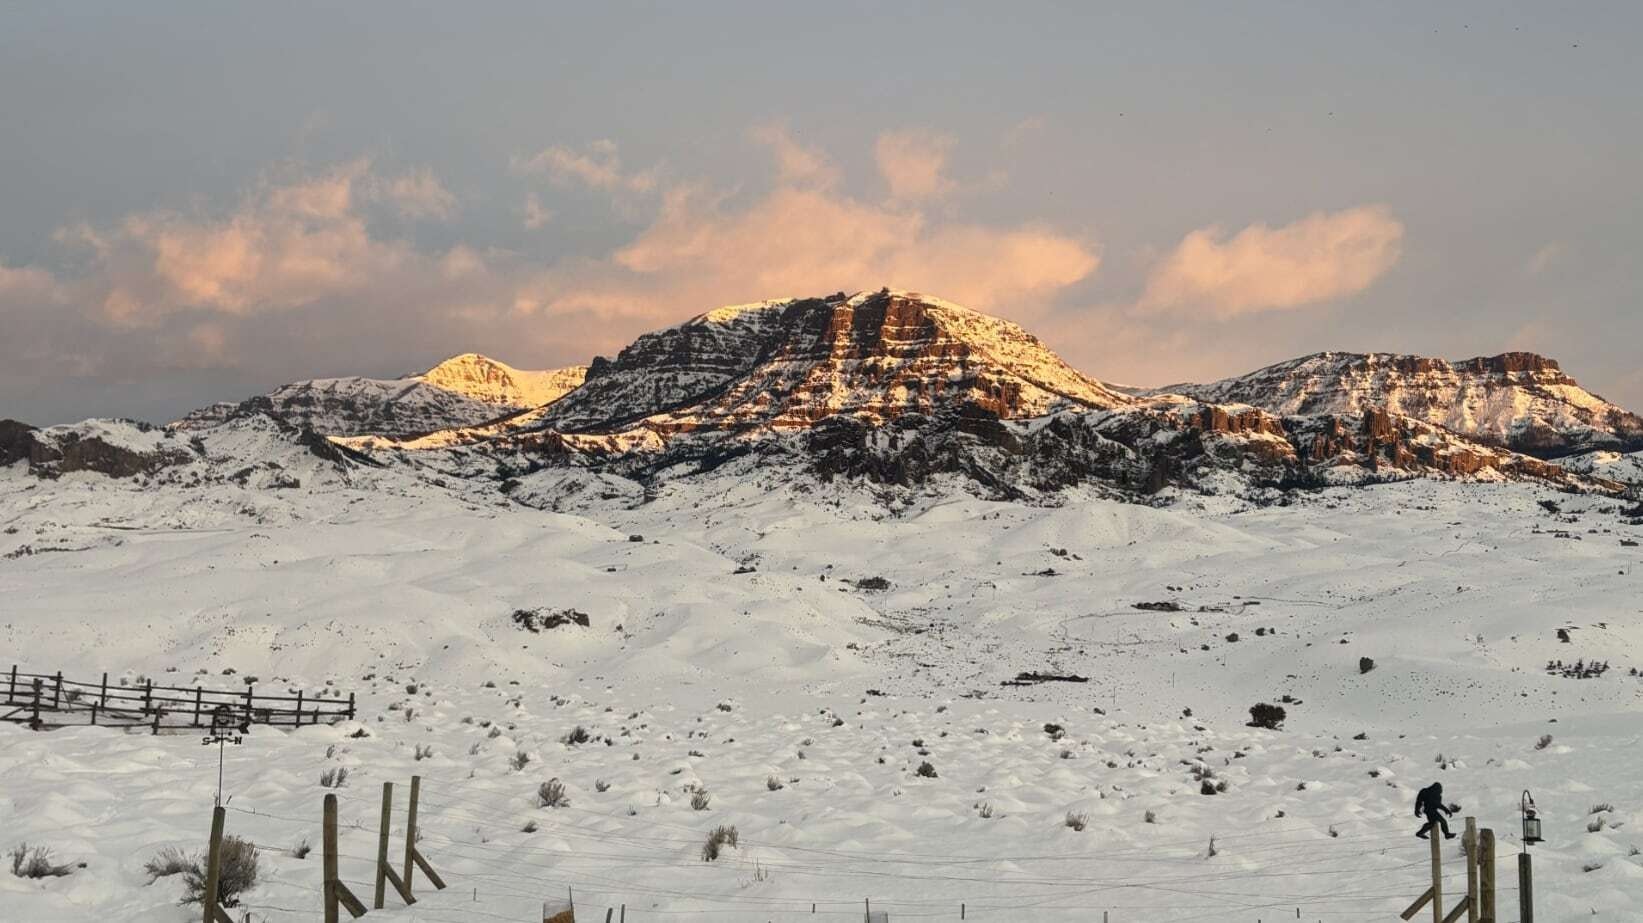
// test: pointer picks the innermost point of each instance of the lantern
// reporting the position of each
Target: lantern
(1531, 822)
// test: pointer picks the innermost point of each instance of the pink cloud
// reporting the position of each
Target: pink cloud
(1319, 258)
(913, 163)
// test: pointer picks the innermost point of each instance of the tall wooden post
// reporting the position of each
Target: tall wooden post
(199, 694)
(35, 724)
(299, 708)
(1525, 889)
(329, 846)
(1486, 876)
(410, 836)
(57, 692)
(11, 690)
(208, 899)
(1470, 843)
(104, 693)
(382, 841)
(1437, 874)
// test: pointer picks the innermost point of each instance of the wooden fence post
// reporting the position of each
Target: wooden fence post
(1525, 889)
(385, 871)
(1437, 875)
(211, 910)
(104, 694)
(350, 706)
(199, 695)
(299, 708)
(208, 898)
(1486, 876)
(35, 724)
(57, 692)
(1470, 843)
(148, 694)
(11, 690)
(335, 891)
(413, 856)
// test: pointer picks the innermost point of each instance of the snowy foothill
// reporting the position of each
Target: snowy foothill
(829, 670)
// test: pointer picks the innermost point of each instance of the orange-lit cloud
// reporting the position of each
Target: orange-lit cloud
(795, 163)
(598, 166)
(914, 163)
(1322, 257)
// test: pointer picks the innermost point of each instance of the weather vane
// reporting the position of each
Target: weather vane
(226, 728)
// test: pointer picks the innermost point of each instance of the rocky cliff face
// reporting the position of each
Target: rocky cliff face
(465, 390)
(1518, 400)
(789, 364)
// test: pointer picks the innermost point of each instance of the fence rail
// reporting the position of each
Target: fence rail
(46, 700)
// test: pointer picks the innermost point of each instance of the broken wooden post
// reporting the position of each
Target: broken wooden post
(336, 893)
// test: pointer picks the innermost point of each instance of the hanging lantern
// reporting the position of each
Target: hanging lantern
(1531, 822)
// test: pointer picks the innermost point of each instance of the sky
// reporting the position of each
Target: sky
(199, 202)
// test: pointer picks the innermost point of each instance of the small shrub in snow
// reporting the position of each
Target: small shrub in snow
(720, 837)
(36, 863)
(1544, 742)
(699, 800)
(1077, 821)
(1600, 807)
(165, 863)
(1591, 866)
(335, 777)
(530, 827)
(600, 785)
(1595, 825)
(423, 752)
(1365, 664)
(301, 849)
(1264, 715)
(1055, 731)
(1150, 817)
(985, 809)
(1213, 852)
(575, 736)
(551, 794)
(774, 784)
(926, 770)
(236, 873)
(519, 760)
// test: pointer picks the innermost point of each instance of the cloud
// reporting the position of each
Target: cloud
(1546, 258)
(912, 163)
(1322, 257)
(599, 166)
(420, 194)
(796, 164)
(301, 275)
(536, 217)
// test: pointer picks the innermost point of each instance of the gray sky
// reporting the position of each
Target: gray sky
(199, 202)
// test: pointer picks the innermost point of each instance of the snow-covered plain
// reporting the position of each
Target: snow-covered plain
(804, 703)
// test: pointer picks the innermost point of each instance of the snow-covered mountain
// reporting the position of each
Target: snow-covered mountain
(461, 391)
(900, 388)
(1520, 400)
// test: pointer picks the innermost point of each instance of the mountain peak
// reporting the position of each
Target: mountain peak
(789, 363)
(491, 381)
(1518, 399)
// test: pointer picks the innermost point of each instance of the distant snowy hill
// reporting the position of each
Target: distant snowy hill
(1520, 400)
(461, 391)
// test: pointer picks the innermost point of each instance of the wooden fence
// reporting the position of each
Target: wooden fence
(44, 701)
